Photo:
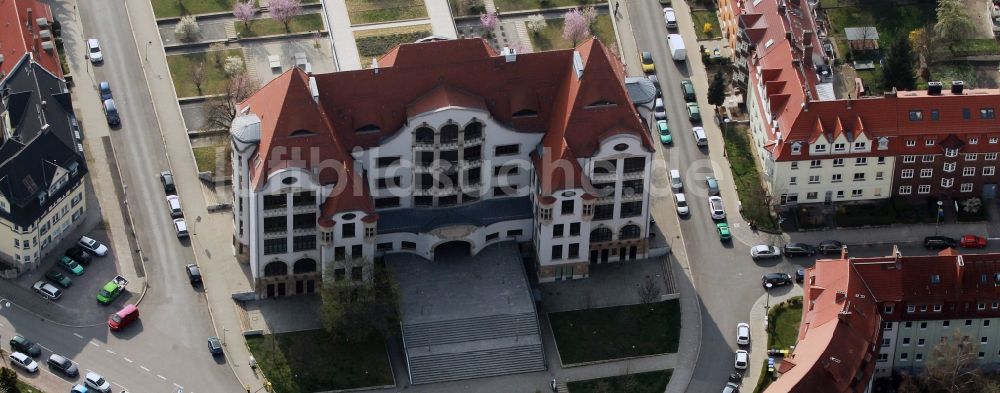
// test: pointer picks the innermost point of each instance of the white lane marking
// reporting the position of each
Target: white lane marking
(94, 344)
(127, 359)
(46, 348)
(178, 386)
(110, 351)
(119, 385)
(161, 377)
(77, 335)
(144, 368)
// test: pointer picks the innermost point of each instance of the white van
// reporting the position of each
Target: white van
(670, 18)
(677, 50)
(715, 206)
(675, 180)
(699, 136)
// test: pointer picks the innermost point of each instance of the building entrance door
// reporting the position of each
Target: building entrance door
(310, 286)
(632, 251)
(604, 255)
(281, 289)
(299, 286)
(270, 290)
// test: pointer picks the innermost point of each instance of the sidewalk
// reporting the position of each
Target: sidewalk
(758, 333)
(903, 233)
(211, 233)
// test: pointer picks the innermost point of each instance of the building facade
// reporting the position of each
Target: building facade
(42, 167)
(445, 145)
(815, 147)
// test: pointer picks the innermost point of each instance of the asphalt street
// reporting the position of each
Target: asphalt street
(165, 350)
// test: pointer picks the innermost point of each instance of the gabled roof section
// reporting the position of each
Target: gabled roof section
(21, 34)
(445, 96)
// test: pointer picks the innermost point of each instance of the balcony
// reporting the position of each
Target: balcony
(275, 212)
(603, 177)
(304, 231)
(275, 234)
(467, 164)
(632, 175)
(630, 197)
(473, 141)
(304, 208)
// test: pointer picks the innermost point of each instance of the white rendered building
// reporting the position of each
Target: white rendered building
(445, 143)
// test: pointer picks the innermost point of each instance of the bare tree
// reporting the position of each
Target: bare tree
(649, 292)
(953, 364)
(220, 111)
(198, 74)
(284, 11)
(217, 52)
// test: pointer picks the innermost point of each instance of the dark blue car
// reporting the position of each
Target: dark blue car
(105, 89)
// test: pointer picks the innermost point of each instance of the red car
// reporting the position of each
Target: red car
(973, 241)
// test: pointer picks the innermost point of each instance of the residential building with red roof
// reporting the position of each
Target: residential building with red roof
(870, 317)
(815, 147)
(25, 27)
(444, 143)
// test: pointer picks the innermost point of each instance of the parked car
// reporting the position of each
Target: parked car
(712, 184)
(174, 204)
(63, 365)
(939, 242)
(731, 387)
(723, 229)
(111, 290)
(97, 382)
(180, 226)
(670, 18)
(22, 344)
(24, 362)
(214, 346)
(94, 51)
(743, 333)
(111, 113)
(659, 111)
(656, 84)
(123, 317)
(776, 279)
(92, 246)
(676, 184)
(47, 291)
(193, 273)
(742, 359)
(105, 89)
(682, 205)
(78, 388)
(694, 113)
(800, 275)
(715, 206)
(647, 62)
(973, 241)
(687, 89)
(58, 278)
(830, 247)
(798, 249)
(69, 265)
(167, 179)
(764, 251)
(80, 255)
(664, 131)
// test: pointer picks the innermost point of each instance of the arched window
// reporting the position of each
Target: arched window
(304, 265)
(368, 128)
(276, 268)
(630, 231)
(474, 130)
(525, 113)
(449, 133)
(601, 234)
(425, 135)
(298, 133)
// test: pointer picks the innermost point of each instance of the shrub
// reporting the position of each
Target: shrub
(187, 29)
(234, 64)
(378, 45)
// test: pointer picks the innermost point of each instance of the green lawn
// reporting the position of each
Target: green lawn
(702, 17)
(24, 387)
(311, 361)
(374, 11)
(648, 382)
(214, 81)
(976, 46)
(782, 332)
(904, 18)
(208, 157)
(267, 26)
(174, 8)
(954, 71)
(617, 332)
(519, 5)
(551, 37)
(747, 178)
(872, 79)
(375, 43)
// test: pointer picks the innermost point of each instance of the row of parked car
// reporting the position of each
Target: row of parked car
(23, 352)
(72, 262)
(174, 204)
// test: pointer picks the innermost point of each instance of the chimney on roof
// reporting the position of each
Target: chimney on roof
(509, 54)
(957, 87)
(934, 88)
(843, 252)
(781, 8)
(890, 94)
(897, 256)
(375, 65)
(788, 35)
(807, 37)
(27, 23)
(314, 89)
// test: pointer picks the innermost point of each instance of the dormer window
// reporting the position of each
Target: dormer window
(368, 128)
(860, 145)
(839, 146)
(916, 115)
(525, 113)
(820, 148)
(600, 103)
(935, 279)
(796, 148)
(301, 133)
(950, 152)
(883, 143)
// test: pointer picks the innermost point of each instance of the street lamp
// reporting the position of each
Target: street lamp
(148, 43)
(767, 302)
(940, 213)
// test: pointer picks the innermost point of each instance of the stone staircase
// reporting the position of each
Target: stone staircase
(473, 347)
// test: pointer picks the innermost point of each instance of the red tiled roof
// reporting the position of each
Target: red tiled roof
(16, 38)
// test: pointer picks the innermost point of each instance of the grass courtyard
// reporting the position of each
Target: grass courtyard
(648, 382)
(782, 332)
(700, 18)
(551, 37)
(748, 186)
(175, 8)
(214, 80)
(375, 11)
(311, 361)
(375, 43)
(617, 332)
(266, 26)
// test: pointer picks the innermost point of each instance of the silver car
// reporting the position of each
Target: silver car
(23, 361)
(94, 51)
(174, 204)
(763, 251)
(47, 290)
(712, 184)
(97, 382)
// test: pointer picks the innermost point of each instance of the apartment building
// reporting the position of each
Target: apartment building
(815, 147)
(443, 144)
(908, 305)
(26, 28)
(42, 167)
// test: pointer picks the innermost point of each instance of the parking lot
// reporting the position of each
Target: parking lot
(78, 304)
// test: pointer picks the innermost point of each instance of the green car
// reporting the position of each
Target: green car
(69, 265)
(723, 231)
(688, 89)
(110, 291)
(58, 278)
(693, 112)
(664, 129)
